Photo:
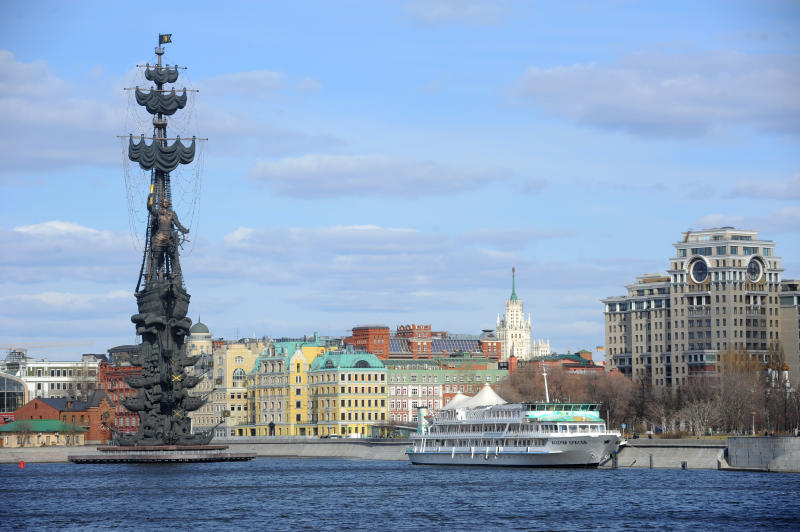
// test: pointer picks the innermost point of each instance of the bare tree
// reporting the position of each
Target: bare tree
(741, 390)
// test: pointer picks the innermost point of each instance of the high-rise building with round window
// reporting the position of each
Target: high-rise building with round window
(721, 291)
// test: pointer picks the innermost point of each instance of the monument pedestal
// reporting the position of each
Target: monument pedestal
(141, 454)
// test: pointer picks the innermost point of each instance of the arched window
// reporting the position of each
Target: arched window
(238, 376)
(362, 364)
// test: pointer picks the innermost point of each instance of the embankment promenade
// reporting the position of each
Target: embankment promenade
(776, 454)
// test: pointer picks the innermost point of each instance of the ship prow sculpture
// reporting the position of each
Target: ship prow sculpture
(163, 401)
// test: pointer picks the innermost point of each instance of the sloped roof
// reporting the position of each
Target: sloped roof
(61, 403)
(486, 397)
(96, 397)
(346, 360)
(40, 425)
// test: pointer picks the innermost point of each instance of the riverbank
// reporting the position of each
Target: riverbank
(749, 454)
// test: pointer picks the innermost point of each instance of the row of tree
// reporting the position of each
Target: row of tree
(743, 396)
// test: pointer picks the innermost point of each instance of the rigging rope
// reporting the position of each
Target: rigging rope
(186, 183)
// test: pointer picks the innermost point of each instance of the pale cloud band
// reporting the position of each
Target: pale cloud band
(672, 95)
(323, 176)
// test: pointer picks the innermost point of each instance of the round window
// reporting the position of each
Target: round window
(699, 271)
(754, 270)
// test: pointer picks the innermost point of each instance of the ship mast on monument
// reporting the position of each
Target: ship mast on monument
(163, 302)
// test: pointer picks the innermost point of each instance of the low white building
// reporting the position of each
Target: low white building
(56, 378)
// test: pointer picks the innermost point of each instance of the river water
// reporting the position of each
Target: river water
(292, 494)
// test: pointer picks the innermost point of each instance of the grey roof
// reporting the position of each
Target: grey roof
(398, 345)
(451, 345)
(60, 403)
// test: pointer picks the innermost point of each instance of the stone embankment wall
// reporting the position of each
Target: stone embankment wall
(765, 454)
(41, 454)
(671, 454)
(314, 448)
(275, 447)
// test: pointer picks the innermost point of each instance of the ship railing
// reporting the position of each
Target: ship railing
(514, 433)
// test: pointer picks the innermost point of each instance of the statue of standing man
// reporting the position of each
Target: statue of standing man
(165, 239)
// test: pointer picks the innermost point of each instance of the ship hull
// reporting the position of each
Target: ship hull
(564, 452)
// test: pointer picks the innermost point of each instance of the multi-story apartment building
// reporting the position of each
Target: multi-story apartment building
(790, 327)
(200, 344)
(370, 338)
(45, 378)
(225, 378)
(112, 379)
(431, 383)
(419, 342)
(311, 387)
(347, 393)
(279, 388)
(721, 291)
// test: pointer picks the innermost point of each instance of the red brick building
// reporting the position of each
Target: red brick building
(490, 345)
(111, 379)
(88, 414)
(370, 338)
(419, 338)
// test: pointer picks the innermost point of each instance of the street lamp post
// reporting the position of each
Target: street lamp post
(754, 423)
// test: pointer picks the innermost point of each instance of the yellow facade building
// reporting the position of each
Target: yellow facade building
(278, 389)
(348, 393)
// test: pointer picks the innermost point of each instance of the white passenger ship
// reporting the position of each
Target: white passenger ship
(485, 430)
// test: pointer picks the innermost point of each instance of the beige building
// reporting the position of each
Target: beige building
(200, 344)
(790, 327)
(721, 290)
(224, 366)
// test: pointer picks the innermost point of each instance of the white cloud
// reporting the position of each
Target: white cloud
(789, 189)
(57, 228)
(45, 122)
(678, 95)
(27, 79)
(64, 250)
(479, 12)
(373, 175)
(64, 301)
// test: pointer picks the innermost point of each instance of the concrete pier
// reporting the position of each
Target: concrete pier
(772, 453)
(671, 454)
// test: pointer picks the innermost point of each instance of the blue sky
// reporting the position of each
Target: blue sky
(389, 162)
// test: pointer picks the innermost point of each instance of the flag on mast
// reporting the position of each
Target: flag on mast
(164, 38)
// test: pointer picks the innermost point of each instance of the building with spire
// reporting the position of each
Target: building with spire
(514, 331)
